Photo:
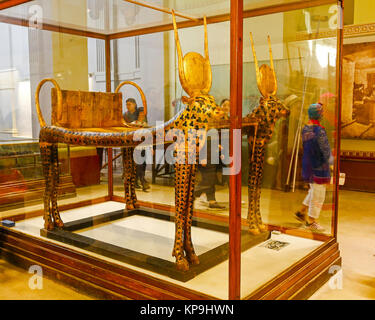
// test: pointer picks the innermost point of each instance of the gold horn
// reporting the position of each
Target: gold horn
(300, 60)
(255, 60)
(272, 65)
(179, 51)
(205, 39)
(289, 60)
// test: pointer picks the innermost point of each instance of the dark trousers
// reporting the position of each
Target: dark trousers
(141, 169)
(140, 172)
(99, 152)
(207, 184)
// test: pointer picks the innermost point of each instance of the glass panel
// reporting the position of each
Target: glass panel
(147, 233)
(111, 16)
(151, 62)
(276, 163)
(28, 56)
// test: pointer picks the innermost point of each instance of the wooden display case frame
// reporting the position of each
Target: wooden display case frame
(109, 280)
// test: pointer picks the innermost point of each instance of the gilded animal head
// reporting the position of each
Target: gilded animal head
(194, 69)
(266, 77)
(267, 85)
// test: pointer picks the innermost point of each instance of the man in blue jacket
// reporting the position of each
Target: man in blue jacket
(316, 162)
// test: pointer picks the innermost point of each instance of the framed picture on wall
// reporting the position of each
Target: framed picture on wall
(358, 89)
(358, 108)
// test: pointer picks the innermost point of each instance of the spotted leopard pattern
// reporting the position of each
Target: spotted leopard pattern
(129, 177)
(49, 155)
(266, 115)
(201, 113)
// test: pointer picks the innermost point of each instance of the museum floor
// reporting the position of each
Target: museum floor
(357, 246)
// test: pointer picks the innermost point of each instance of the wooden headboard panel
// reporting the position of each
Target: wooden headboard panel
(83, 109)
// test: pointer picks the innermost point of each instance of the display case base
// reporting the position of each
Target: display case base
(208, 259)
(105, 279)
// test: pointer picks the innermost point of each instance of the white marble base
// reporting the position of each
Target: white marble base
(151, 236)
(33, 225)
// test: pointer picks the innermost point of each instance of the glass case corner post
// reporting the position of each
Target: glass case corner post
(108, 87)
(236, 67)
(339, 56)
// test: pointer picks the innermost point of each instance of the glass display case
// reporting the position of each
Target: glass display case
(180, 129)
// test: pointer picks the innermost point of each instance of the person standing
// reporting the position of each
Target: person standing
(136, 115)
(209, 170)
(316, 162)
(206, 185)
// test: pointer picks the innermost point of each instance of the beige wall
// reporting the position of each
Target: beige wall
(364, 11)
(70, 58)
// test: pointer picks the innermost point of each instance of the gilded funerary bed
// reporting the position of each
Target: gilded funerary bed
(95, 119)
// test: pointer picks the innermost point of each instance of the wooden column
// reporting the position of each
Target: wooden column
(336, 176)
(236, 53)
(108, 89)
